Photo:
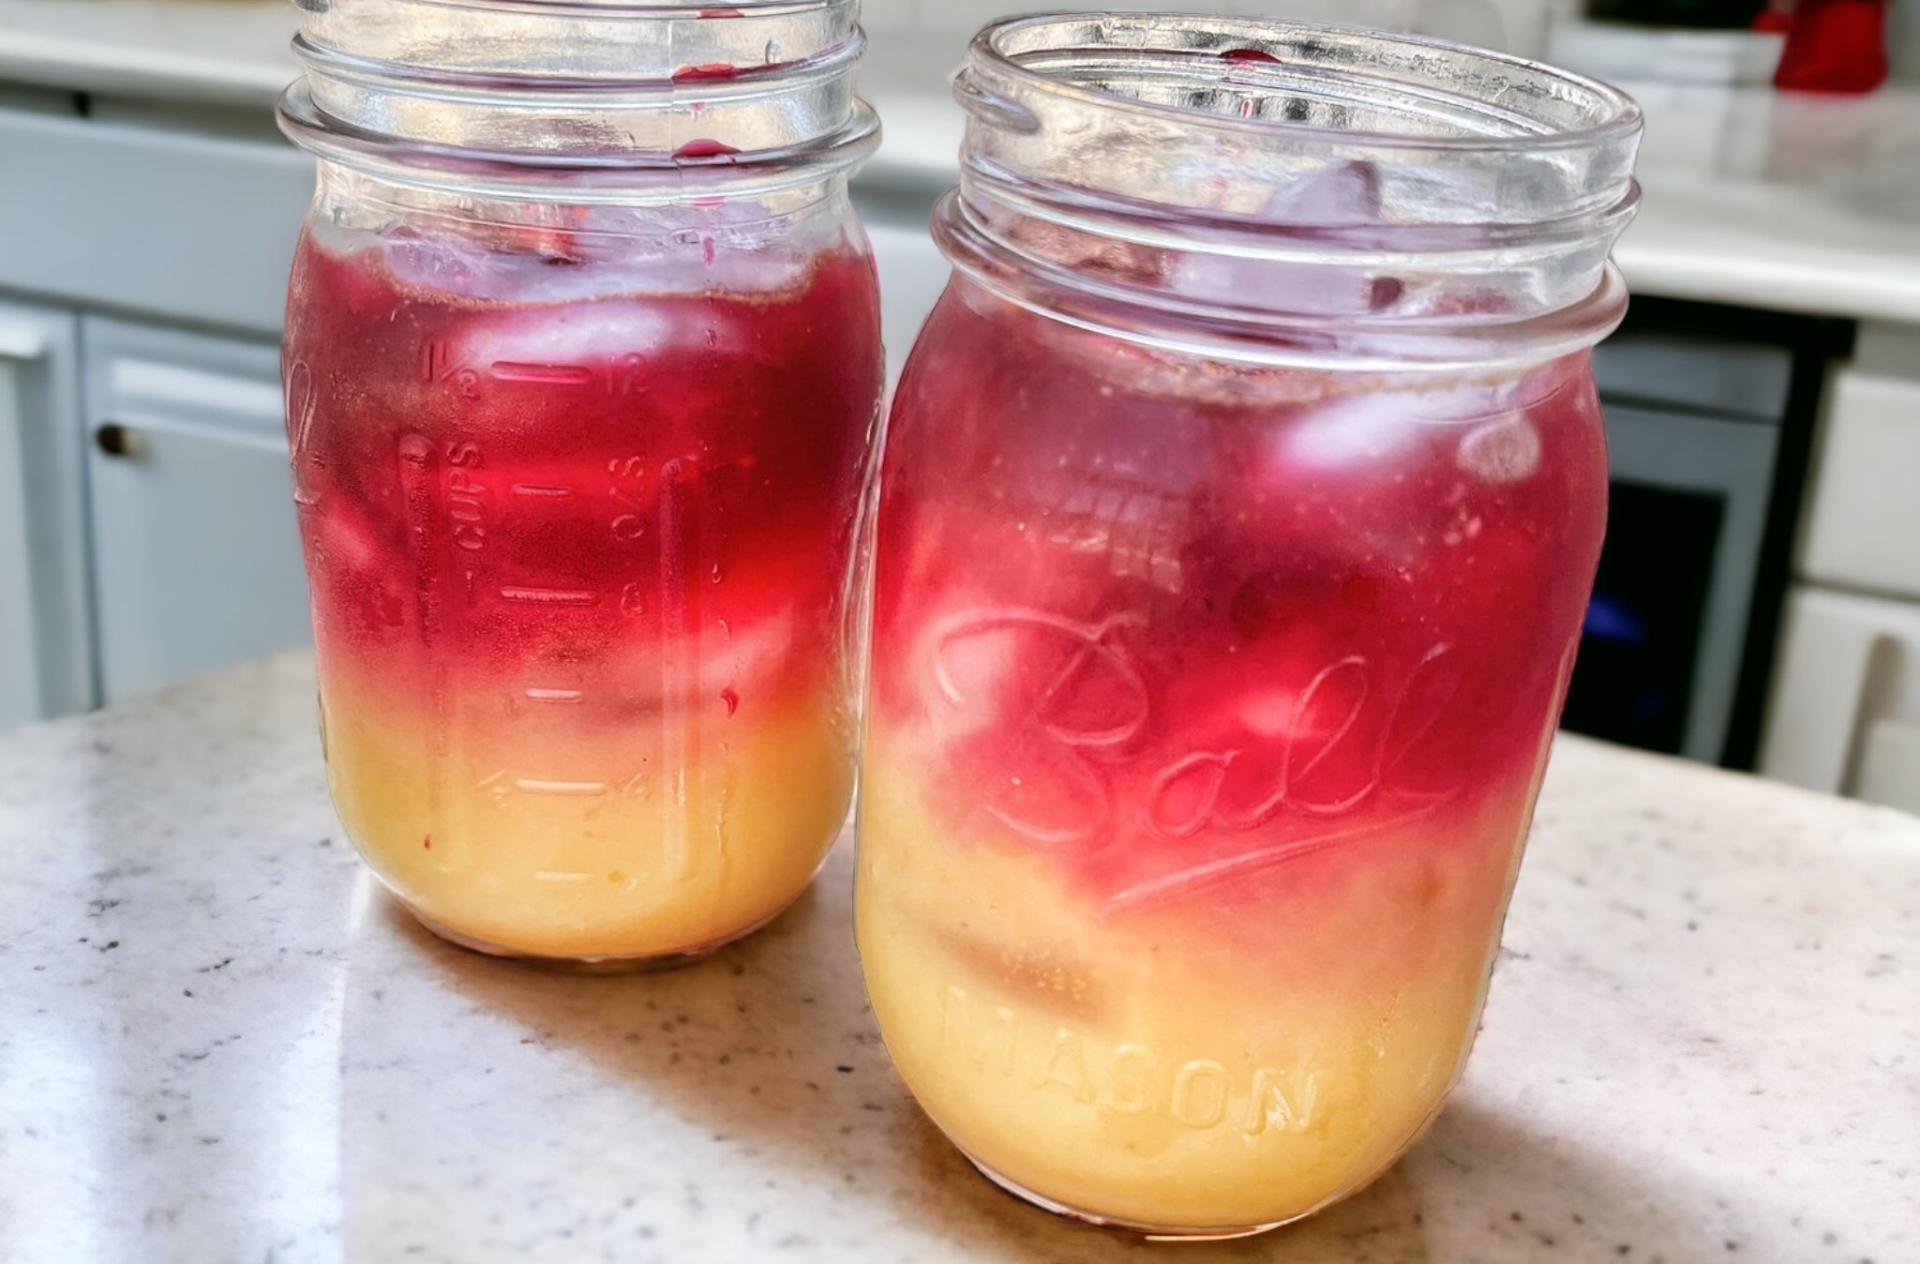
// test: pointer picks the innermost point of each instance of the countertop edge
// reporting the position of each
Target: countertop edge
(75, 65)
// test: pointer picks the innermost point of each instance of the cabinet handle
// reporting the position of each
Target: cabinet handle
(115, 439)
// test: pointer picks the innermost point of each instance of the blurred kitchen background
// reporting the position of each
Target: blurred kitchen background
(1759, 601)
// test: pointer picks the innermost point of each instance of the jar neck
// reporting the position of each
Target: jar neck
(799, 220)
(1282, 192)
(583, 101)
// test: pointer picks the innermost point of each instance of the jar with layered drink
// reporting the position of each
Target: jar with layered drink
(1241, 502)
(582, 369)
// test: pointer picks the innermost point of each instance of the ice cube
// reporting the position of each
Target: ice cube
(1352, 432)
(1345, 194)
(1503, 451)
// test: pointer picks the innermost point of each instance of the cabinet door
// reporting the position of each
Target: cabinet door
(1863, 521)
(196, 559)
(1845, 711)
(46, 665)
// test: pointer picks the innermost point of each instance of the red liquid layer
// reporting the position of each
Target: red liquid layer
(570, 557)
(1208, 704)
(543, 482)
(1152, 608)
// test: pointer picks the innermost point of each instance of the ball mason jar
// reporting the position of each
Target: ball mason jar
(1240, 505)
(582, 368)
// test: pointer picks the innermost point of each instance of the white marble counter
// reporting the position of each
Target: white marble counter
(219, 1042)
(1782, 201)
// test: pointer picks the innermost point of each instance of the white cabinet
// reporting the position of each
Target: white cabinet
(45, 659)
(1863, 524)
(1845, 712)
(187, 226)
(175, 552)
(196, 559)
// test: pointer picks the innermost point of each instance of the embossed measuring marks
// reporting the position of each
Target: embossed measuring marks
(678, 864)
(666, 513)
(1088, 712)
(1060, 1061)
(459, 370)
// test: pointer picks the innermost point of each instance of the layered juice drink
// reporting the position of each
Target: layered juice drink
(579, 519)
(1208, 706)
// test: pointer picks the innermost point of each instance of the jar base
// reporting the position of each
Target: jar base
(1151, 1232)
(636, 964)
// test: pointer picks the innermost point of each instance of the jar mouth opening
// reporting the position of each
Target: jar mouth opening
(1216, 326)
(1299, 82)
(1255, 178)
(518, 88)
(652, 10)
(557, 99)
(636, 176)
(521, 91)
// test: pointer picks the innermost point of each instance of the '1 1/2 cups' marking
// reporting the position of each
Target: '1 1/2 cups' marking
(441, 363)
(466, 497)
(1129, 1078)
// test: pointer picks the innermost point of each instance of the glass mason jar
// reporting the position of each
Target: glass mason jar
(582, 367)
(1240, 506)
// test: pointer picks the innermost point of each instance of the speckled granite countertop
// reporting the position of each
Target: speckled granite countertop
(218, 1042)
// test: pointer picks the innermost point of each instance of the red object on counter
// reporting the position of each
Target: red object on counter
(1775, 19)
(1835, 46)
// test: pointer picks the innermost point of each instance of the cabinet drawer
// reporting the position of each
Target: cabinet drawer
(1863, 523)
(179, 225)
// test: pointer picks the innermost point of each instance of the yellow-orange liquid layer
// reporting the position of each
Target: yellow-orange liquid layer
(1215, 1067)
(610, 841)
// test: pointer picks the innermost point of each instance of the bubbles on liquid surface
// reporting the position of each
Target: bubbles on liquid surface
(613, 252)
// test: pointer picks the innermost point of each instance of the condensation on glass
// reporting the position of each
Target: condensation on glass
(1241, 500)
(582, 370)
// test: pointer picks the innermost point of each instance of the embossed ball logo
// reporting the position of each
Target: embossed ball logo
(1074, 744)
